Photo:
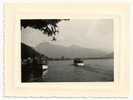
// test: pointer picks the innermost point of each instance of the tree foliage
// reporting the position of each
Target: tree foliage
(47, 26)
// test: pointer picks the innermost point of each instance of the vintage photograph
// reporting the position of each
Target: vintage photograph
(67, 50)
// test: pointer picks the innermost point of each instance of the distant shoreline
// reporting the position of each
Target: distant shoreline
(58, 59)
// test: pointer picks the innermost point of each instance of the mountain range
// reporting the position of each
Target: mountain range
(57, 51)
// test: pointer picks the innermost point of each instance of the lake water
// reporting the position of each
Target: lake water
(98, 70)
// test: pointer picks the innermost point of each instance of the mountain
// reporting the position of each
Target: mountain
(27, 51)
(111, 55)
(56, 51)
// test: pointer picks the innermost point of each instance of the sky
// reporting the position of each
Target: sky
(88, 33)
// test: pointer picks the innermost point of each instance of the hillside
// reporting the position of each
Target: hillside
(27, 51)
(56, 51)
(111, 55)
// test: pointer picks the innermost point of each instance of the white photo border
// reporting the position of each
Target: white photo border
(13, 85)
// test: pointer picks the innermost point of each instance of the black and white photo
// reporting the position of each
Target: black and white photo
(67, 50)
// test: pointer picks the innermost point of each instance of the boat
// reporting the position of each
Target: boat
(44, 71)
(44, 67)
(44, 64)
(78, 62)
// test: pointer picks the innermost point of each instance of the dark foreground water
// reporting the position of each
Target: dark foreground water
(93, 71)
(99, 70)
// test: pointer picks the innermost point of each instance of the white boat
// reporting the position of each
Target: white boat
(78, 62)
(44, 67)
(45, 71)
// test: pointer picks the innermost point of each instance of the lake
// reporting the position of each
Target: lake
(95, 70)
